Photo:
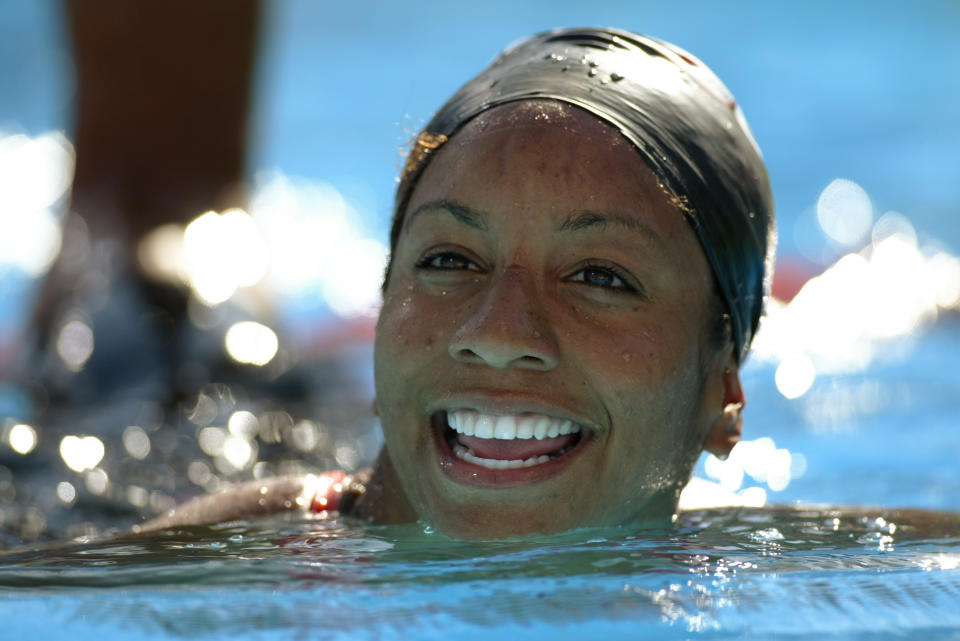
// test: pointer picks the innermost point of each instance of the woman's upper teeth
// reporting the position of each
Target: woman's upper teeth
(472, 423)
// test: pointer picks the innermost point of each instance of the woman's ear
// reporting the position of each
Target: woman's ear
(728, 427)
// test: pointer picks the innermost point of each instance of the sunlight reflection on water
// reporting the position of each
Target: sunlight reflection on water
(867, 302)
(719, 574)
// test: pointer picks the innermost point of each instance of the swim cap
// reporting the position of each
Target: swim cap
(679, 116)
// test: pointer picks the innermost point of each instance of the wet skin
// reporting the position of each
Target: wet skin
(542, 269)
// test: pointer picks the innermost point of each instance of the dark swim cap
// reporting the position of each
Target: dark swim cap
(679, 116)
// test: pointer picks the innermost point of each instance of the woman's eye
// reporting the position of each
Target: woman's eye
(447, 261)
(597, 276)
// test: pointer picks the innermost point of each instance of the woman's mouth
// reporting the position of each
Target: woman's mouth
(514, 448)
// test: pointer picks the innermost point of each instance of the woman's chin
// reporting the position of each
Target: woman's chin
(486, 526)
(515, 514)
(518, 513)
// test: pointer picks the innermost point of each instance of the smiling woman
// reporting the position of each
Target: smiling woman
(571, 298)
(578, 265)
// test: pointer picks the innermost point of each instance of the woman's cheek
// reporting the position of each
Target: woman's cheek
(631, 352)
(411, 328)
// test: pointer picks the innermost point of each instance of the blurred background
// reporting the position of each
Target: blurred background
(260, 316)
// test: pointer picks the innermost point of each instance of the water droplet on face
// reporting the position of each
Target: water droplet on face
(616, 77)
(564, 68)
(592, 73)
(626, 357)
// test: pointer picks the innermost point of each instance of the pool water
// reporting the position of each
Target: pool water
(763, 573)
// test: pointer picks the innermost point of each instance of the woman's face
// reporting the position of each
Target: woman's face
(544, 285)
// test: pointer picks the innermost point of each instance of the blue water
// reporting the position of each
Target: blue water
(797, 574)
(862, 90)
(883, 436)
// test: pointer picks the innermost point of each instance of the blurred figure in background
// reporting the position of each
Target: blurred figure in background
(162, 107)
(124, 361)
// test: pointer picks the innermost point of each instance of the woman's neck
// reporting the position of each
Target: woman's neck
(383, 500)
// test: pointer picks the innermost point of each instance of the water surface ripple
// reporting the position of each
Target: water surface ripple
(786, 572)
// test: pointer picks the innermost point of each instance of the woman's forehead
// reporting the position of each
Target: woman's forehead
(547, 164)
(554, 115)
(542, 152)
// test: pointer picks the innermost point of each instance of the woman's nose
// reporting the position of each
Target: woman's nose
(508, 327)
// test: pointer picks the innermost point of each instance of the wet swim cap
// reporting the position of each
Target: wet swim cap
(679, 116)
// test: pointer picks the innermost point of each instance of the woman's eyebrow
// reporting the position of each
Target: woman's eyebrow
(463, 214)
(589, 220)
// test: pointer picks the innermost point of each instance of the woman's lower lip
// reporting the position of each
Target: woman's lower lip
(470, 474)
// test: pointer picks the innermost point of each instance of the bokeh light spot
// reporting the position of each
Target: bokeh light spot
(22, 438)
(81, 453)
(945, 271)
(353, 287)
(844, 212)
(66, 492)
(795, 375)
(137, 496)
(35, 174)
(96, 481)
(162, 253)
(223, 252)
(199, 473)
(754, 496)
(304, 436)
(238, 452)
(211, 440)
(729, 473)
(75, 344)
(136, 442)
(243, 424)
(251, 343)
